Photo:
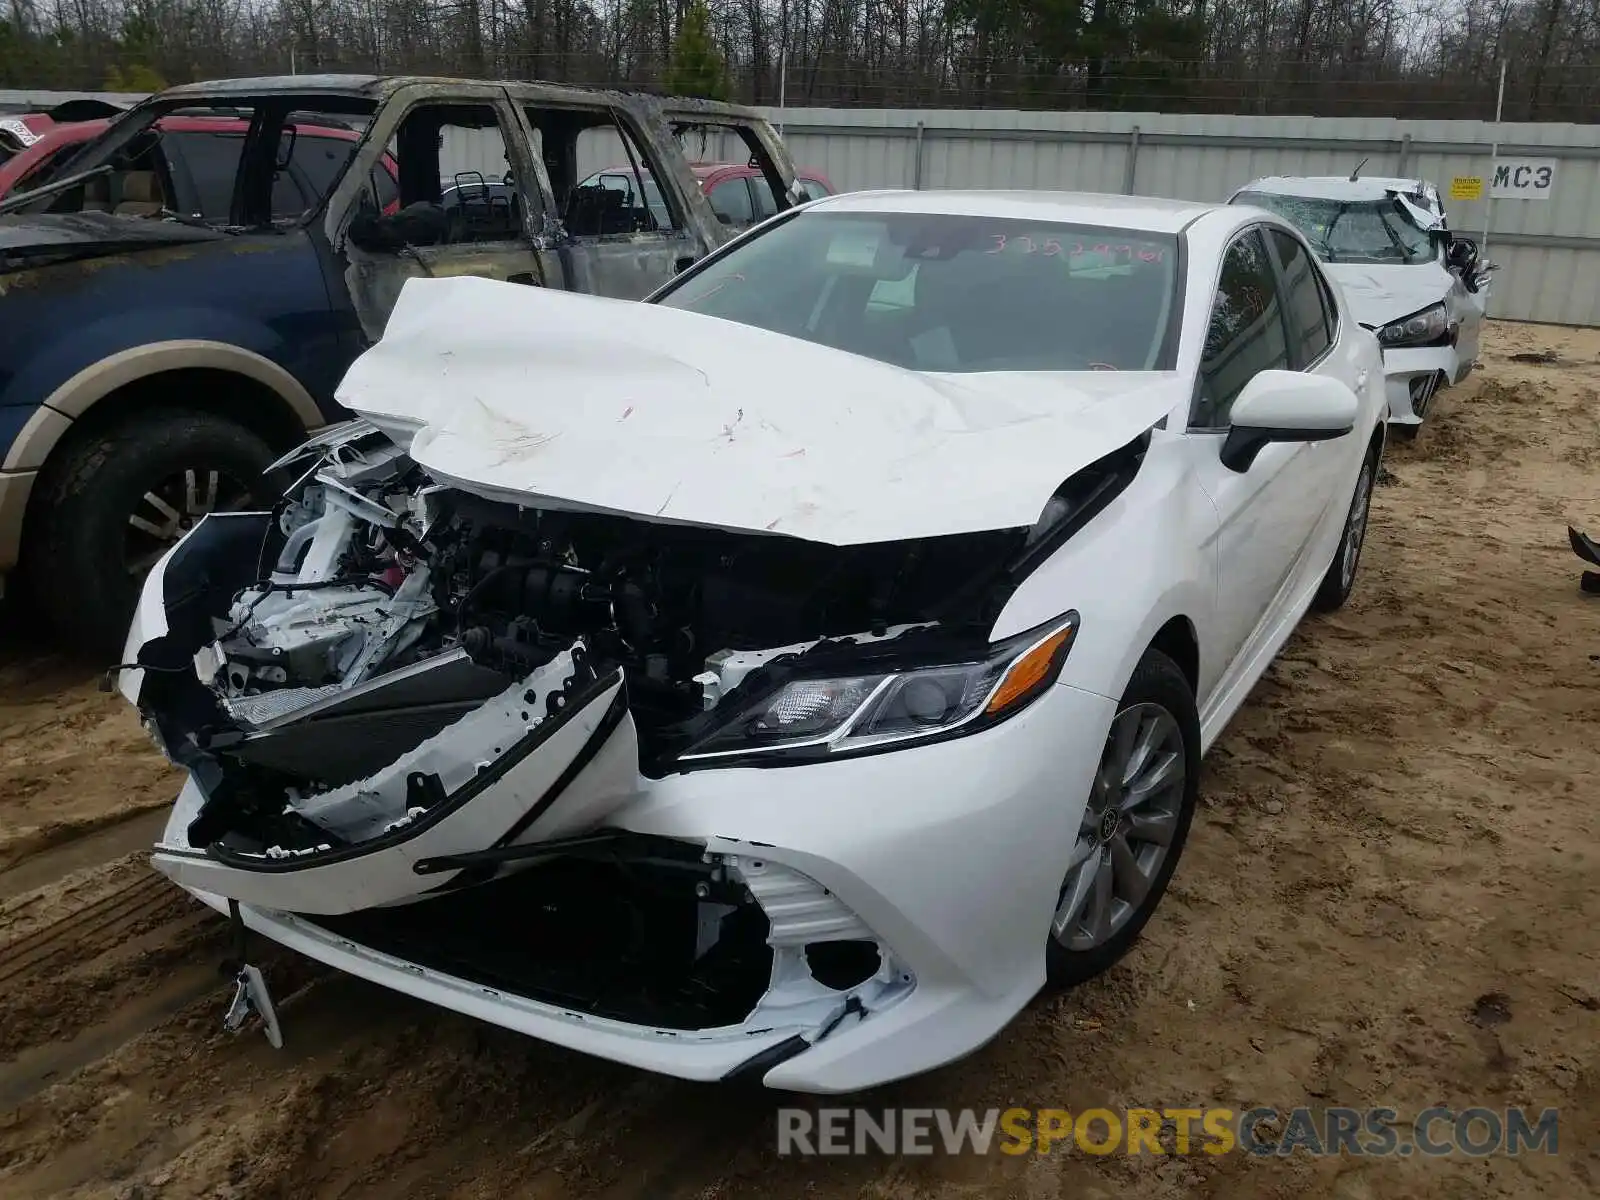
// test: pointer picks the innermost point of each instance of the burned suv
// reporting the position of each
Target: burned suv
(170, 323)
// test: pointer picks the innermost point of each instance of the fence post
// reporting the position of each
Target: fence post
(1131, 166)
(916, 167)
(1404, 170)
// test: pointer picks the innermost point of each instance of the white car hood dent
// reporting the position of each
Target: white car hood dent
(568, 401)
(1380, 293)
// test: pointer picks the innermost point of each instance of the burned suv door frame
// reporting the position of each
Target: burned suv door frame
(625, 263)
(610, 254)
(759, 140)
(375, 274)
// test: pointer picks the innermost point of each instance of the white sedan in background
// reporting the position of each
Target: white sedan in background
(786, 677)
(1388, 246)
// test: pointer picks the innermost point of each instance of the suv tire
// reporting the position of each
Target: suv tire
(109, 506)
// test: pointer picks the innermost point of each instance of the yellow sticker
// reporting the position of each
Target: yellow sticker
(1466, 187)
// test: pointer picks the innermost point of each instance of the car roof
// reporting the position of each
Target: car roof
(379, 87)
(1334, 187)
(1144, 213)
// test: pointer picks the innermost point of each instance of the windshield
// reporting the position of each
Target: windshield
(1351, 231)
(936, 292)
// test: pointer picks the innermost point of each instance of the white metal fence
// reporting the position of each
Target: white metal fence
(1546, 239)
(1545, 234)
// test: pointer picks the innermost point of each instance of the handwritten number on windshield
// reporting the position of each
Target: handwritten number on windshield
(715, 288)
(1052, 248)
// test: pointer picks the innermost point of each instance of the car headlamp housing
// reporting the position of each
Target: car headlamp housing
(817, 718)
(1431, 326)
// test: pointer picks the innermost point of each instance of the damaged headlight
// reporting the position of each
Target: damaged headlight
(814, 718)
(1423, 328)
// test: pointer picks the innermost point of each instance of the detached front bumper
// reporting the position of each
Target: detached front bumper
(947, 857)
(1414, 377)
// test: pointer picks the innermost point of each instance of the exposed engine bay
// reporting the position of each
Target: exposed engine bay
(383, 639)
(385, 689)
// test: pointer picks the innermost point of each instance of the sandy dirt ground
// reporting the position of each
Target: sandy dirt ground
(1389, 899)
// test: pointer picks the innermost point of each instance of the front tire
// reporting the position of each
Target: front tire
(1134, 826)
(114, 503)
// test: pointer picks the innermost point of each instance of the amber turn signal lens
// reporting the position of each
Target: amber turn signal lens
(1025, 675)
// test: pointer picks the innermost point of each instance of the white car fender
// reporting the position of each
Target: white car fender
(1152, 541)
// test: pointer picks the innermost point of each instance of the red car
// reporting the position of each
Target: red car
(201, 164)
(19, 130)
(737, 192)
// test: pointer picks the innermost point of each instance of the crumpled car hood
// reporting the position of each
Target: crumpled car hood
(1379, 294)
(564, 401)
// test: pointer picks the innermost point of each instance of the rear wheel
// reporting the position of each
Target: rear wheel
(1134, 826)
(112, 505)
(1340, 580)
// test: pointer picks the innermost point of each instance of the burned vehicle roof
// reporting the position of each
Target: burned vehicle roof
(379, 87)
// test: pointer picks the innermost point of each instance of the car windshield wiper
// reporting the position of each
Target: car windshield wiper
(21, 199)
(1326, 249)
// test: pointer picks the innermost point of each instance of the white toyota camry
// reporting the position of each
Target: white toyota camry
(787, 677)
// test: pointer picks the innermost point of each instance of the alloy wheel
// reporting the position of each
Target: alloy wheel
(174, 506)
(1127, 830)
(1355, 530)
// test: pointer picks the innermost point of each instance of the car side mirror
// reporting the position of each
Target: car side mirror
(1462, 252)
(1286, 406)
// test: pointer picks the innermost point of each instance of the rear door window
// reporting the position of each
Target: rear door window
(211, 161)
(1309, 332)
(321, 160)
